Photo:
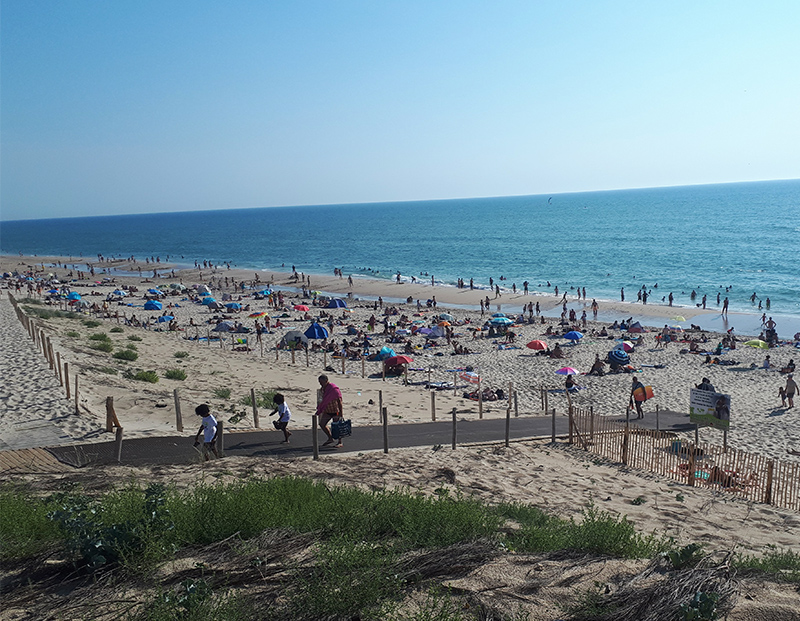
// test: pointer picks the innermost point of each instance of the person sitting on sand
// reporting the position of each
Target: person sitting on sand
(767, 364)
(598, 367)
(789, 368)
(570, 385)
(557, 352)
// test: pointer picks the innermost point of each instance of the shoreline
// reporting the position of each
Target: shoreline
(370, 289)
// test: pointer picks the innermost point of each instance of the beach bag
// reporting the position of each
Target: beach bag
(341, 428)
(276, 424)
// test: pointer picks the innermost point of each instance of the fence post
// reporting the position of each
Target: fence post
(362, 366)
(433, 405)
(77, 410)
(66, 379)
(292, 355)
(111, 416)
(314, 439)
(256, 421)
(380, 405)
(385, 430)
(691, 466)
(344, 359)
(480, 399)
(591, 424)
(516, 405)
(658, 428)
(221, 438)
(508, 426)
(768, 487)
(58, 364)
(178, 416)
(118, 444)
(455, 381)
(454, 429)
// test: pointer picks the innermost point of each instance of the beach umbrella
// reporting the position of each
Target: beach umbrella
(618, 357)
(499, 315)
(207, 301)
(566, 371)
(470, 376)
(757, 343)
(337, 303)
(501, 321)
(678, 318)
(204, 293)
(223, 326)
(573, 335)
(120, 293)
(397, 360)
(155, 291)
(676, 328)
(444, 323)
(215, 306)
(153, 305)
(626, 346)
(301, 307)
(424, 331)
(259, 314)
(234, 306)
(165, 318)
(265, 292)
(316, 331)
(74, 296)
(537, 345)
(177, 285)
(54, 291)
(446, 317)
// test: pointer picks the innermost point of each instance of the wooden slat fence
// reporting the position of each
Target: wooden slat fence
(733, 471)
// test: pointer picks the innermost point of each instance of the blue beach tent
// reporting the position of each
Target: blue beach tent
(153, 305)
(337, 303)
(316, 331)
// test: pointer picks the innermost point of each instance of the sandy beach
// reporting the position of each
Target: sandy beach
(759, 423)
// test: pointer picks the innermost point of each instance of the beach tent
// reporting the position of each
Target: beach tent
(215, 306)
(233, 306)
(223, 326)
(152, 305)
(293, 339)
(74, 296)
(316, 331)
(165, 318)
(337, 303)
(207, 301)
(385, 353)
(446, 317)
(436, 332)
(635, 327)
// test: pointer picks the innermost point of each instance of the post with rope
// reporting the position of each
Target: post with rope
(455, 430)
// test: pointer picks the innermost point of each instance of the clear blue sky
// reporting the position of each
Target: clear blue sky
(112, 107)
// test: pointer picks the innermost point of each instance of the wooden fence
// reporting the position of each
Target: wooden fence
(730, 470)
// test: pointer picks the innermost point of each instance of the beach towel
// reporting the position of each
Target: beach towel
(330, 394)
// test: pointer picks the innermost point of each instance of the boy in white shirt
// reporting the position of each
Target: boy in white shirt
(209, 430)
(285, 415)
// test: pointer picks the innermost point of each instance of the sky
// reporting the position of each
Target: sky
(169, 105)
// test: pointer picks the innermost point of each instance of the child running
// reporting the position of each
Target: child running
(285, 415)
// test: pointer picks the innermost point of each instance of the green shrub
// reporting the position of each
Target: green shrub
(784, 564)
(263, 399)
(222, 393)
(181, 354)
(105, 346)
(175, 374)
(134, 337)
(91, 323)
(108, 370)
(131, 346)
(48, 313)
(126, 354)
(100, 336)
(73, 334)
(117, 330)
(146, 376)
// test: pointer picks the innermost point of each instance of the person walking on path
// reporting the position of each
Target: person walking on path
(791, 389)
(637, 398)
(329, 408)
(284, 416)
(209, 430)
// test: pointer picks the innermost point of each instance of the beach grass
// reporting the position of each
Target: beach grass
(222, 393)
(181, 354)
(264, 399)
(134, 337)
(105, 346)
(175, 374)
(126, 354)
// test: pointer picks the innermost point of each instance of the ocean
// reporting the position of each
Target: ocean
(733, 239)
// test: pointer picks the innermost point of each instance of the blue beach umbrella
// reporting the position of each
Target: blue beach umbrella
(234, 306)
(501, 321)
(207, 301)
(619, 357)
(153, 305)
(385, 352)
(316, 331)
(120, 293)
(53, 291)
(165, 318)
(74, 296)
(573, 335)
(499, 315)
(265, 292)
(155, 291)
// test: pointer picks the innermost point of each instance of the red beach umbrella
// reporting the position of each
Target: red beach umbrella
(301, 307)
(537, 345)
(398, 360)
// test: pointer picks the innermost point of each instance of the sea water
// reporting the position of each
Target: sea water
(731, 239)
